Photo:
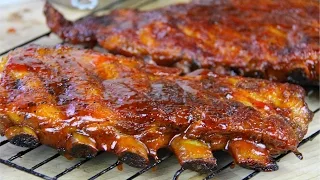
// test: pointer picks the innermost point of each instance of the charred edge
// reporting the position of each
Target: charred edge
(67, 30)
(193, 154)
(81, 146)
(24, 140)
(83, 151)
(55, 20)
(235, 71)
(133, 160)
(201, 165)
(259, 167)
(52, 14)
(256, 74)
(150, 166)
(298, 76)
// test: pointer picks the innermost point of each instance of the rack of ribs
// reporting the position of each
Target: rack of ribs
(275, 40)
(82, 102)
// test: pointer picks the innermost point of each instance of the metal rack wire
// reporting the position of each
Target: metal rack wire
(117, 163)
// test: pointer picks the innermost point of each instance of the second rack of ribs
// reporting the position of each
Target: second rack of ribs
(81, 102)
(275, 40)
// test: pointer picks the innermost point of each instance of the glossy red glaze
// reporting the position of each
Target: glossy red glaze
(111, 103)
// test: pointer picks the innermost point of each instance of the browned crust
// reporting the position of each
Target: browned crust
(280, 43)
(82, 102)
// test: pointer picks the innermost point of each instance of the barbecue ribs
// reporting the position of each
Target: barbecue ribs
(81, 102)
(275, 40)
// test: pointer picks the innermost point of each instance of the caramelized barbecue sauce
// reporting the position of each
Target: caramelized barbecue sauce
(275, 40)
(120, 167)
(66, 96)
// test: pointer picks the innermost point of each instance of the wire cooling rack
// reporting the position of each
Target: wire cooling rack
(10, 161)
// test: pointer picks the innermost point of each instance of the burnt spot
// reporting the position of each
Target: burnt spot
(255, 74)
(236, 71)
(298, 76)
(133, 160)
(201, 165)
(25, 140)
(31, 104)
(249, 164)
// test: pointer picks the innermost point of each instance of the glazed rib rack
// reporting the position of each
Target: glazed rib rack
(33, 169)
(105, 162)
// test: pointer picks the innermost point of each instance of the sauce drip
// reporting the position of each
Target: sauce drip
(233, 165)
(154, 168)
(120, 167)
